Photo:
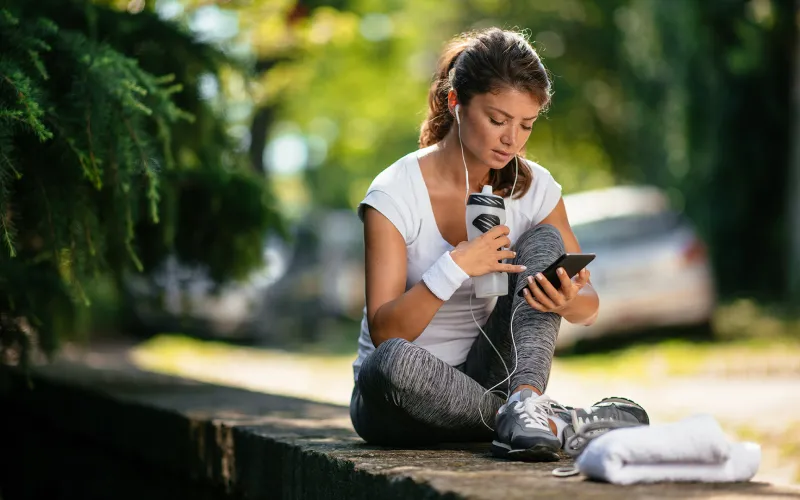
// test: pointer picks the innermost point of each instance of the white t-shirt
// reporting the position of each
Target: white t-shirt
(400, 194)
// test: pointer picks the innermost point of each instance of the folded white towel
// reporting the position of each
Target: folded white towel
(692, 449)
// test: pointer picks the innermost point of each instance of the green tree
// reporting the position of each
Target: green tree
(711, 82)
(359, 91)
(687, 96)
(109, 161)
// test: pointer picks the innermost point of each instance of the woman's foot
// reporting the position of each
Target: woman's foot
(525, 429)
(606, 414)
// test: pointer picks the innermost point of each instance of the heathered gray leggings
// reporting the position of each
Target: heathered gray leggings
(407, 396)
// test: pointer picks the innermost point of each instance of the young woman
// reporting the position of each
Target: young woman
(431, 355)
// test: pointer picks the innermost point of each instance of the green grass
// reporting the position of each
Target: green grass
(747, 319)
(316, 376)
(747, 338)
(750, 339)
(677, 357)
(175, 347)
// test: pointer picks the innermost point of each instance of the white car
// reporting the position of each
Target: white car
(652, 269)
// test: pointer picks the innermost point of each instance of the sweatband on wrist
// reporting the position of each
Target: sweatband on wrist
(444, 277)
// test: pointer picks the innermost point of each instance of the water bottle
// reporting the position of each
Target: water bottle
(484, 211)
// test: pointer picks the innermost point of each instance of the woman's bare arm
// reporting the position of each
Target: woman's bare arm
(392, 312)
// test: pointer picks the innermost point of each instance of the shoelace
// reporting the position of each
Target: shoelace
(535, 412)
(586, 430)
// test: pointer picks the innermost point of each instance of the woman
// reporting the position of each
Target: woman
(424, 369)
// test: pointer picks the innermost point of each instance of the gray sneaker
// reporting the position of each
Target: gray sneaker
(607, 414)
(523, 430)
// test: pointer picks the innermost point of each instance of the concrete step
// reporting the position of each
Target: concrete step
(118, 432)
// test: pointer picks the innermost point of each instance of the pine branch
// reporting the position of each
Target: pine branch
(5, 210)
(21, 86)
(8, 229)
(10, 165)
(98, 181)
(14, 115)
(129, 235)
(37, 62)
(152, 190)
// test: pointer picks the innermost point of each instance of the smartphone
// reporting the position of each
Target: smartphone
(572, 264)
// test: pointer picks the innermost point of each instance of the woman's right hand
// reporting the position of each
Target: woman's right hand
(483, 254)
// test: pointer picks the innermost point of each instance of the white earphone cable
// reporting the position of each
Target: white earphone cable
(460, 143)
(472, 312)
(516, 359)
(516, 174)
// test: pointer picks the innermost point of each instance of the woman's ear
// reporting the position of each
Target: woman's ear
(452, 100)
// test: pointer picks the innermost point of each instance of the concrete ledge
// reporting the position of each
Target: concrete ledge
(80, 432)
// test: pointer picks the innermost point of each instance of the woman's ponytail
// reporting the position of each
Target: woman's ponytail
(439, 119)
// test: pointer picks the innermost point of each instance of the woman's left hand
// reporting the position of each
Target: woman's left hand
(552, 299)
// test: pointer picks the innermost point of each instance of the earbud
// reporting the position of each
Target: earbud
(458, 118)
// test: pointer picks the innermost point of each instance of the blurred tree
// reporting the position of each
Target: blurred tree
(711, 85)
(388, 52)
(793, 196)
(111, 160)
(688, 96)
(315, 53)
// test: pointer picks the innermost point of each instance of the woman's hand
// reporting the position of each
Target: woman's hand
(552, 300)
(483, 254)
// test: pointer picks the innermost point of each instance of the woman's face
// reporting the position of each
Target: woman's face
(496, 125)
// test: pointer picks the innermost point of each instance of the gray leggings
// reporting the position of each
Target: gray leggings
(407, 396)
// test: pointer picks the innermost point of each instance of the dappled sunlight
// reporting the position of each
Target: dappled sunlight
(671, 379)
(315, 377)
(672, 358)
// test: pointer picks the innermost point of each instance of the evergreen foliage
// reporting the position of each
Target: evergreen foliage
(109, 161)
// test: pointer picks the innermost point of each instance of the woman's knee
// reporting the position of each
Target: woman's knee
(536, 248)
(545, 235)
(384, 369)
(542, 238)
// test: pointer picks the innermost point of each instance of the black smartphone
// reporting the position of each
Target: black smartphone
(572, 264)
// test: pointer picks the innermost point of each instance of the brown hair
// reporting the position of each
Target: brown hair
(485, 61)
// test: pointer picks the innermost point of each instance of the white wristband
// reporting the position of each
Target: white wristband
(444, 277)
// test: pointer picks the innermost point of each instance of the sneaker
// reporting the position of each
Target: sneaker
(607, 414)
(524, 430)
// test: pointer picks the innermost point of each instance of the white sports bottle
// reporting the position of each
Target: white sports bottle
(484, 211)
